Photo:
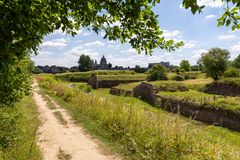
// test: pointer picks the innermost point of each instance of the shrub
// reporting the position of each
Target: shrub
(185, 65)
(231, 72)
(178, 78)
(85, 88)
(186, 77)
(158, 72)
(68, 93)
(9, 118)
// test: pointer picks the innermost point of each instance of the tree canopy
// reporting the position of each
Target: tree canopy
(215, 62)
(85, 63)
(236, 62)
(157, 72)
(185, 65)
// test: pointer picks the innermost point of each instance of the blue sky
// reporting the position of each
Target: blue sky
(199, 32)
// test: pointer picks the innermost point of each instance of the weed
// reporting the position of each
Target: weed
(63, 156)
(60, 117)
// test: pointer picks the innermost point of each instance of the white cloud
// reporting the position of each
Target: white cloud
(111, 42)
(61, 42)
(211, 3)
(171, 34)
(114, 46)
(130, 50)
(77, 51)
(210, 16)
(198, 53)
(208, 3)
(189, 44)
(94, 43)
(86, 33)
(227, 37)
(236, 47)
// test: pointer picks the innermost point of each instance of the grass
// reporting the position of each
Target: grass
(50, 104)
(217, 101)
(24, 146)
(195, 84)
(85, 76)
(140, 131)
(60, 117)
(63, 156)
(137, 77)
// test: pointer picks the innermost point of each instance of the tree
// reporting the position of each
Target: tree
(85, 63)
(185, 65)
(215, 62)
(157, 72)
(236, 62)
(74, 69)
(195, 68)
(139, 69)
(109, 65)
(229, 17)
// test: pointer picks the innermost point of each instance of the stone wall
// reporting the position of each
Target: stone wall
(227, 89)
(120, 92)
(207, 114)
(203, 113)
(95, 83)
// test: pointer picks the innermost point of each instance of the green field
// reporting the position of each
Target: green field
(217, 101)
(191, 84)
(137, 77)
(85, 76)
(140, 131)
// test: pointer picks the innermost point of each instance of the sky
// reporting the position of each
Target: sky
(199, 33)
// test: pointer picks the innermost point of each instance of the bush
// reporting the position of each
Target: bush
(178, 78)
(9, 118)
(85, 88)
(231, 72)
(158, 72)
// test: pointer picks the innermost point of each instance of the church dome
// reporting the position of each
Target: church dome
(103, 60)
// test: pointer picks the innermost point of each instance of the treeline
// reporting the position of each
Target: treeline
(54, 69)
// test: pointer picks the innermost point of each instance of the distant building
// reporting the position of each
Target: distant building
(103, 64)
(165, 64)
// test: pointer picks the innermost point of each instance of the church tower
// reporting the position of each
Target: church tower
(103, 63)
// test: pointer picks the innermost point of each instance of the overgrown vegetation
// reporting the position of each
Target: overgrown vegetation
(215, 62)
(142, 131)
(157, 72)
(217, 101)
(14, 81)
(18, 126)
(85, 76)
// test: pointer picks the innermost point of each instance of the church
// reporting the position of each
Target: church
(103, 64)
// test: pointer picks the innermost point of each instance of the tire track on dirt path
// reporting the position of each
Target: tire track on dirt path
(57, 141)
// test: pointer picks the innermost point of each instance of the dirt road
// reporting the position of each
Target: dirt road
(64, 141)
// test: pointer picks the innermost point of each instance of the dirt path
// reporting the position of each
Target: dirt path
(64, 141)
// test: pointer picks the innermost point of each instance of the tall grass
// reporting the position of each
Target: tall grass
(145, 132)
(18, 126)
(216, 101)
(85, 76)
